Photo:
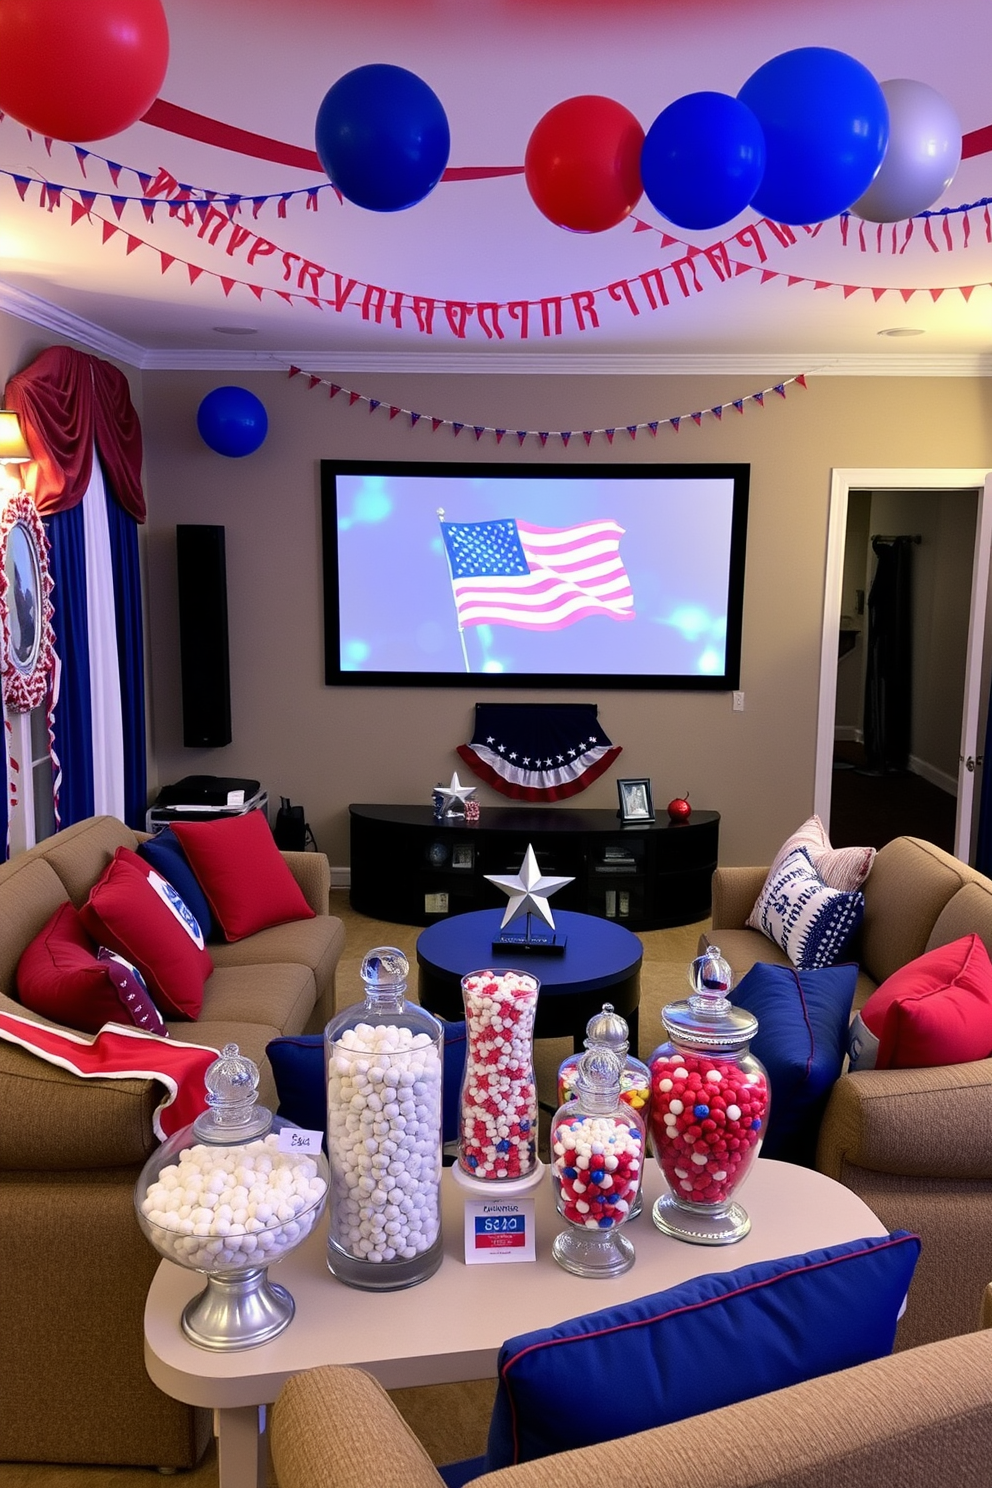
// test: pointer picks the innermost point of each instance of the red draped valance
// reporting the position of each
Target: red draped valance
(66, 401)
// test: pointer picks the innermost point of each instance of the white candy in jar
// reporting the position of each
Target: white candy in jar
(383, 1140)
(216, 1233)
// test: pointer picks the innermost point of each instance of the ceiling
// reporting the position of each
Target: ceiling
(164, 293)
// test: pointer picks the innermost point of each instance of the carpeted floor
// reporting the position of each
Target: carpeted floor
(450, 1420)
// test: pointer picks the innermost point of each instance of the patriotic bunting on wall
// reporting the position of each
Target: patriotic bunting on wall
(544, 435)
(538, 751)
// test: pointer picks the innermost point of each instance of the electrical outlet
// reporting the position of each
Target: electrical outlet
(738, 702)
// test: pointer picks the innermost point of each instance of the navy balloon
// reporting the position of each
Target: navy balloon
(826, 127)
(232, 421)
(703, 160)
(382, 137)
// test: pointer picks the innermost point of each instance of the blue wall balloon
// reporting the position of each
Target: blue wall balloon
(232, 421)
(382, 137)
(703, 160)
(826, 128)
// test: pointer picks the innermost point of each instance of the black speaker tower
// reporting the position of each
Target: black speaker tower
(203, 652)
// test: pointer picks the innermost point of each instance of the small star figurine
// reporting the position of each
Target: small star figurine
(455, 794)
(529, 891)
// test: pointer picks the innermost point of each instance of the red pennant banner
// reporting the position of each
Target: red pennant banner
(353, 399)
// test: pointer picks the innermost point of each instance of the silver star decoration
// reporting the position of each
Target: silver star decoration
(455, 792)
(529, 891)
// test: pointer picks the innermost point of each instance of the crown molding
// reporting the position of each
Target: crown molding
(582, 363)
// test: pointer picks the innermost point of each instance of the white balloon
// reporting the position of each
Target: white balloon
(922, 157)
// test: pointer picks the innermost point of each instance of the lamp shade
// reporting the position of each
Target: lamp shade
(13, 445)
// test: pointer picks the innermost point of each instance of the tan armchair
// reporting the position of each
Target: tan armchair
(919, 1419)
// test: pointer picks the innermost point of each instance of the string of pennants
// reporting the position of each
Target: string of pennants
(651, 426)
(893, 238)
(308, 282)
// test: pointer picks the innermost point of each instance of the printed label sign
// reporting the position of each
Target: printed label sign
(499, 1230)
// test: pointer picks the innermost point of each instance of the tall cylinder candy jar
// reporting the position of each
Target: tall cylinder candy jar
(709, 1109)
(597, 1160)
(228, 1196)
(497, 1141)
(384, 1063)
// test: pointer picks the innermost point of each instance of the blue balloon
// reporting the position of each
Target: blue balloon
(382, 137)
(232, 421)
(826, 127)
(703, 160)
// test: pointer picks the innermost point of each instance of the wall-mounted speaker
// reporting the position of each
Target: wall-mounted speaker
(203, 650)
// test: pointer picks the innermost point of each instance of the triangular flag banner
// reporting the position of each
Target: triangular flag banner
(877, 293)
(193, 272)
(739, 404)
(697, 418)
(780, 389)
(168, 259)
(675, 422)
(374, 404)
(436, 424)
(640, 226)
(767, 274)
(118, 203)
(850, 289)
(457, 428)
(108, 230)
(256, 290)
(76, 210)
(393, 410)
(353, 399)
(294, 371)
(414, 419)
(587, 435)
(499, 435)
(609, 434)
(335, 389)
(632, 430)
(521, 435)
(966, 291)
(717, 412)
(792, 279)
(653, 426)
(480, 429)
(81, 158)
(312, 381)
(133, 243)
(22, 183)
(115, 172)
(801, 379)
(759, 398)
(907, 295)
(565, 436)
(543, 437)
(227, 285)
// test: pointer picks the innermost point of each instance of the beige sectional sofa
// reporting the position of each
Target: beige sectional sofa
(915, 1144)
(74, 1267)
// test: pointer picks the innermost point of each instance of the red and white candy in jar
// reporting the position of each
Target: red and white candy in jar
(709, 1109)
(497, 1140)
(597, 1162)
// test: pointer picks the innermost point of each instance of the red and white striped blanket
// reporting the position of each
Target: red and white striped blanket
(120, 1052)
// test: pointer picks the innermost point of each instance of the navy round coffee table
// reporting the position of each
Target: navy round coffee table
(601, 963)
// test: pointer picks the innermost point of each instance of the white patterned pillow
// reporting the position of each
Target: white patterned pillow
(839, 867)
(810, 921)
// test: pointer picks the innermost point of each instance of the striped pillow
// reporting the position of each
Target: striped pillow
(839, 867)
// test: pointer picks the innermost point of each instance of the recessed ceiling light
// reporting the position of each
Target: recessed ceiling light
(901, 331)
(235, 330)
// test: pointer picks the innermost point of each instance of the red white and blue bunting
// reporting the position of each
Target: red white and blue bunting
(538, 751)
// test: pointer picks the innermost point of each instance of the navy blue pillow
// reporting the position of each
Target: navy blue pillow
(803, 1021)
(710, 1342)
(166, 856)
(298, 1070)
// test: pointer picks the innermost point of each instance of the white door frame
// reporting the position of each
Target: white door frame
(842, 482)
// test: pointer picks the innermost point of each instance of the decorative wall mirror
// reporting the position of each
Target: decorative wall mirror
(25, 605)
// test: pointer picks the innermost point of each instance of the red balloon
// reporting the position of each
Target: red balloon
(583, 163)
(81, 72)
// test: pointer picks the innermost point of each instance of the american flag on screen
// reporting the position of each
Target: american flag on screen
(508, 572)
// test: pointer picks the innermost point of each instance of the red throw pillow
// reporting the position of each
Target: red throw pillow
(62, 976)
(247, 881)
(134, 911)
(937, 1010)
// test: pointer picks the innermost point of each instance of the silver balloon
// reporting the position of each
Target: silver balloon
(923, 153)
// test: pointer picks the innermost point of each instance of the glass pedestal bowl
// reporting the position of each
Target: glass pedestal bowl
(221, 1197)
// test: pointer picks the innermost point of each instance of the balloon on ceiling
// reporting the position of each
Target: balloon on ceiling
(382, 137)
(923, 154)
(703, 160)
(582, 164)
(81, 72)
(232, 421)
(826, 127)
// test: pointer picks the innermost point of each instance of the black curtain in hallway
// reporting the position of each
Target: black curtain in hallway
(888, 678)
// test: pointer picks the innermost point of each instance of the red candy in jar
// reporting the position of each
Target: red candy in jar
(498, 1124)
(709, 1109)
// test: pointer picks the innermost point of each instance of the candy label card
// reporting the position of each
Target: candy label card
(295, 1139)
(499, 1230)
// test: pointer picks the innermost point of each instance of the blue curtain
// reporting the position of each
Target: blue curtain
(73, 716)
(130, 652)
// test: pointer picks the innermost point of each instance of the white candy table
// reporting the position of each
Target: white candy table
(451, 1327)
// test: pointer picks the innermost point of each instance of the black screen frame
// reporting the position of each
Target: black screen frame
(726, 681)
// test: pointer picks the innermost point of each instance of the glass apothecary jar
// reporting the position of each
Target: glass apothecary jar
(497, 1140)
(384, 1061)
(709, 1109)
(223, 1197)
(608, 1030)
(597, 1160)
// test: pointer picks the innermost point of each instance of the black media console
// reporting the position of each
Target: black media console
(410, 869)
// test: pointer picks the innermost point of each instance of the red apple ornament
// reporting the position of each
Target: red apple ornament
(679, 810)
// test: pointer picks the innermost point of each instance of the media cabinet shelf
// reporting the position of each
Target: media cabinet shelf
(407, 868)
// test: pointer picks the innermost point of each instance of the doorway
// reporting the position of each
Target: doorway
(932, 797)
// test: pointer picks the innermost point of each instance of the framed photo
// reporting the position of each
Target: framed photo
(25, 605)
(635, 801)
(462, 855)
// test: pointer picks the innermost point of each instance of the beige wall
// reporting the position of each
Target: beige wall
(327, 746)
